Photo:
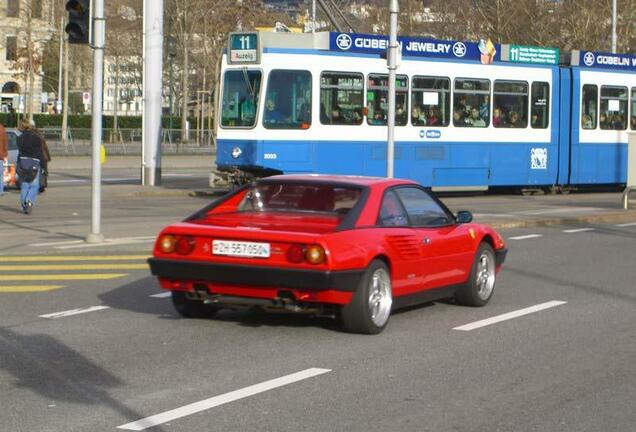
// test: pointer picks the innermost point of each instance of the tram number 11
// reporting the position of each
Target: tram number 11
(245, 42)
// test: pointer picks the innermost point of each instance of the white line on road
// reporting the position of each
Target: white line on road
(215, 401)
(525, 237)
(73, 312)
(110, 242)
(578, 230)
(57, 243)
(510, 315)
(626, 224)
(162, 295)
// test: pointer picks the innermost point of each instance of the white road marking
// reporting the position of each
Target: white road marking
(525, 237)
(510, 315)
(68, 181)
(626, 224)
(162, 295)
(110, 242)
(560, 210)
(57, 243)
(73, 312)
(215, 401)
(578, 230)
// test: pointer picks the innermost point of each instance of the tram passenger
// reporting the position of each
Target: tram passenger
(378, 117)
(336, 118)
(475, 120)
(632, 123)
(458, 118)
(586, 122)
(484, 108)
(462, 104)
(497, 118)
(534, 120)
(515, 120)
(603, 122)
(618, 122)
(400, 115)
(272, 115)
(433, 118)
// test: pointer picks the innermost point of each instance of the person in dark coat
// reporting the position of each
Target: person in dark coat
(31, 161)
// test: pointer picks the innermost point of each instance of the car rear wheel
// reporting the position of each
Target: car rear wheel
(481, 285)
(370, 309)
(190, 307)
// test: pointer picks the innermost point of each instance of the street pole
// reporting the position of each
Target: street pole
(58, 104)
(313, 16)
(614, 26)
(99, 35)
(394, 9)
(153, 70)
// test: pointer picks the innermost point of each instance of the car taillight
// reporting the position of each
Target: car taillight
(185, 245)
(315, 254)
(167, 243)
(295, 253)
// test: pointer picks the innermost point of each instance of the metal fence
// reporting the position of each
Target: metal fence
(127, 141)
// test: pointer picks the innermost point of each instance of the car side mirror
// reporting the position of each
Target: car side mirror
(464, 216)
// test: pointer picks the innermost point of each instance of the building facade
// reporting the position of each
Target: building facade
(14, 82)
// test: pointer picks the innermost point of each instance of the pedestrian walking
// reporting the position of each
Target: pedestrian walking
(31, 161)
(4, 154)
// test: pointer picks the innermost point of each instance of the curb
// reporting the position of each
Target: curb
(172, 192)
(614, 217)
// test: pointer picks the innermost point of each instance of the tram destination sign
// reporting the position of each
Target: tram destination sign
(529, 54)
(601, 60)
(243, 48)
(409, 46)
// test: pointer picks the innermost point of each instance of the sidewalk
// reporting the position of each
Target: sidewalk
(63, 163)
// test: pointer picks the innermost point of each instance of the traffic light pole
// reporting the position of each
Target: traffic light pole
(99, 35)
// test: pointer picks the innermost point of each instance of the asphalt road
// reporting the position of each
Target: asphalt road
(122, 355)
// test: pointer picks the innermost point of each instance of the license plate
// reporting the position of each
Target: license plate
(240, 249)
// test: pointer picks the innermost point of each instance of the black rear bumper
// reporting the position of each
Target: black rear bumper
(233, 274)
(500, 256)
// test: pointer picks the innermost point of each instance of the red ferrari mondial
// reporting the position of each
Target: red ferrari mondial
(356, 247)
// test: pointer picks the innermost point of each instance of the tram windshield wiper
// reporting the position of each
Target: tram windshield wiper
(246, 78)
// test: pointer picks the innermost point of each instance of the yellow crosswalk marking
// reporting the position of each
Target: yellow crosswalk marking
(29, 288)
(60, 277)
(51, 267)
(58, 258)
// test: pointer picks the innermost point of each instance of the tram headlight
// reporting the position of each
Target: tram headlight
(236, 152)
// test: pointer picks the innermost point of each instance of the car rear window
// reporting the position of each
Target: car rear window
(319, 198)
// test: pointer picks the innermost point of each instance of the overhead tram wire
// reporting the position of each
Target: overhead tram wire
(324, 4)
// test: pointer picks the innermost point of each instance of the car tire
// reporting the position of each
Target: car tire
(189, 307)
(370, 308)
(481, 284)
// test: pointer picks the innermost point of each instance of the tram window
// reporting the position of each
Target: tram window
(288, 100)
(430, 101)
(613, 115)
(240, 98)
(378, 100)
(588, 106)
(471, 103)
(510, 99)
(540, 105)
(341, 98)
(632, 121)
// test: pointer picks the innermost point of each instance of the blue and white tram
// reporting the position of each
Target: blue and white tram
(317, 103)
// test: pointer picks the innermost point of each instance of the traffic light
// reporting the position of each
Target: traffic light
(79, 21)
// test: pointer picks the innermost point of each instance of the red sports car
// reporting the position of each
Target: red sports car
(355, 247)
